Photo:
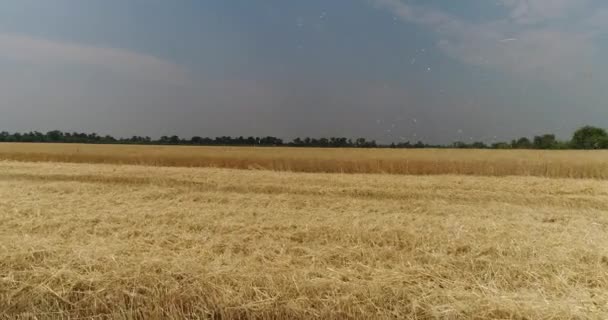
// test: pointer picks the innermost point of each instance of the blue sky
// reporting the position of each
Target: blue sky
(391, 70)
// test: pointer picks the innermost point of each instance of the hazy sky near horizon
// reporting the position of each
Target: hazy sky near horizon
(391, 70)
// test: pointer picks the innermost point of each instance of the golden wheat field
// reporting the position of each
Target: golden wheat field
(566, 164)
(124, 241)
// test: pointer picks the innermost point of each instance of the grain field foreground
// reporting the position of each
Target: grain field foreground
(125, 242)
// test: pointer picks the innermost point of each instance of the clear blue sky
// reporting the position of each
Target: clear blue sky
(391, 70)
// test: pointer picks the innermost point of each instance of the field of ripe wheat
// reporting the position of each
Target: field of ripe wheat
(82, 240)
(563, 164)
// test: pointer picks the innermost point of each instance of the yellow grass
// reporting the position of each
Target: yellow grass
(139, 242)
(567, 164)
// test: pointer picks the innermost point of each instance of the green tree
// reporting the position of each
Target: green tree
(459, 145)
(603, 143)
(546, 141)
(54, 136)
(589, 137)
(501, 145)
(521, 143)
(478, 145)
(174, 140)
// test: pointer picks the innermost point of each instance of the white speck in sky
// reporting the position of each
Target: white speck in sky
(508, 40)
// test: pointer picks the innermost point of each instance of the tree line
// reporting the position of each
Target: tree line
(587, 137)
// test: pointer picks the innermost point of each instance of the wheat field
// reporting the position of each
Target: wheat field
(562, 164)
(109, 241)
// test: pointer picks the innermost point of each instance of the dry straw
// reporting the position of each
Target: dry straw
(81, 241)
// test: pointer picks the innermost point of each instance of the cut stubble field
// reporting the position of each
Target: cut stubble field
(154, 242)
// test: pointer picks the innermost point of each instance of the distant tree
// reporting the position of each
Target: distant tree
(561, 145)
(463, 145)
(589, 137)
(478, 145)
(585, 138)
(54, 136)
(360, 142)
(297, 142)
(603, 143)
(271, 141)
(28, 137)
(521, 143)
(501, 145)
(324, 142)
(174, 140)
(459, 145)
(406, 144)
(93, 137)
(546, 141)
(109, 139)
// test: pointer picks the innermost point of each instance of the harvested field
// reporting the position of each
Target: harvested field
(125, 242)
